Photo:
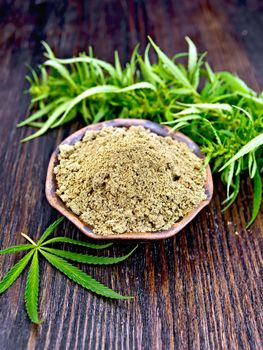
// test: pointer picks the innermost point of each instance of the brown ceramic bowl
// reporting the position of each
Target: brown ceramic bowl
(161, 130)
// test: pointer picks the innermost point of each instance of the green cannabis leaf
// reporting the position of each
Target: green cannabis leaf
(32, 289)
(56, 257)
(216, 109)
(14, 272)
(87, 259)
(257, 197)
(74, 241)
(80, 277)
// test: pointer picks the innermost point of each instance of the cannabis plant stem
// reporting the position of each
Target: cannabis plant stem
(29, 239)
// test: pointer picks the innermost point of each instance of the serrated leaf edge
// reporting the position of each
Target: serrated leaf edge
(32, 290)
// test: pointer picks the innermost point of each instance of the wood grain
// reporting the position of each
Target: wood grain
(199, 290)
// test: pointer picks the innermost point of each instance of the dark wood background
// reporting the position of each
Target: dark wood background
(199, 290)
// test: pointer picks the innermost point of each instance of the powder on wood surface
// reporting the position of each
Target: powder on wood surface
(129, 180)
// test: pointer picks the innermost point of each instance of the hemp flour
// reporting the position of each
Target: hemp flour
(129, 180)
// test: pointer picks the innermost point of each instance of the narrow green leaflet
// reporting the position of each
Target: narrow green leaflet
(49, 53)
(38, 114)
(50, 229)
(230, 177)
(88, 93)
(230, 200)
(212, 106)
(62, 71)
(180, 125)
(187, 118)
(32, 290)
(257, 197)
(148, 71)
(252, 164)
(16, 248)
(184, 118)
(101, 113)
(181, 91)
(74, 241)
(36, 124)
(235, 82)
(42, 112)
(80, 277)
(14, 272)
(210, 73)
(137, 86)
(88, 259)
(52, 119)
(100, 90)
(192, 56)
(108, 67)
(118, 64)
(258, 100)
(33, 73)
(245, 112)
(172, 67)
(250, 146)
(187, 111)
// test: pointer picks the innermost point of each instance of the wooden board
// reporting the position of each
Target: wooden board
(199, 290)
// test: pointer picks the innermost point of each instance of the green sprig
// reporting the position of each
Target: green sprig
(218, 110)
(57, 258)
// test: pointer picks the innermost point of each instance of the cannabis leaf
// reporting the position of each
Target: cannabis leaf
(87, 259)
(257, 197)
(57, 258)
(14, 272)
(49, 230)
(218, 110)
(32, 289)
(74, 241)
(80, 277)
(16, 248)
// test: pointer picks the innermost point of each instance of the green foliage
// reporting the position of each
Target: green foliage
(80, 277)
(56, 257)
(88, 259)
(50, 230)
(76, 242)
(16, 248)
(13, 274)
(216, 109)
(32, 290)
(257, 197)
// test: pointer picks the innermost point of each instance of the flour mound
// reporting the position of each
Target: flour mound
(129, 180)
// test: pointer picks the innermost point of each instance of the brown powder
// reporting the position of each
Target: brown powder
(129, 180)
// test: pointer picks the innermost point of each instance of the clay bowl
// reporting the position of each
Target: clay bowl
(161, 130)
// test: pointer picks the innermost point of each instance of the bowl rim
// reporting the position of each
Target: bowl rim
(162, 130)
